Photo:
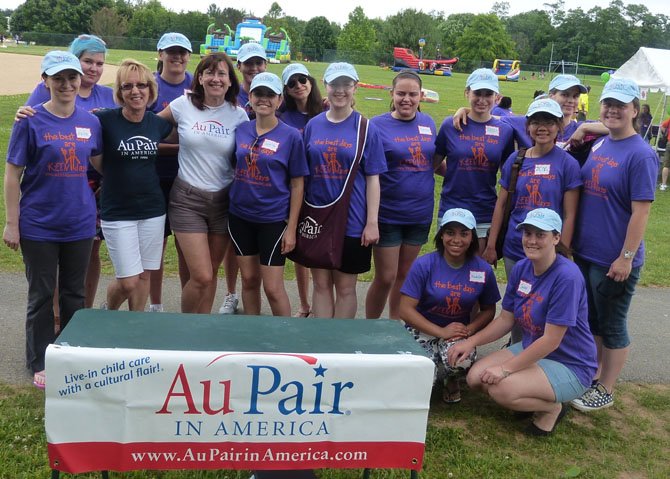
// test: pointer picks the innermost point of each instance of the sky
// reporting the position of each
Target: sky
(305, 10)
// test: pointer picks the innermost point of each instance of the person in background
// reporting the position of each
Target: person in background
(132, 207)
(52, 217)
(449, 295)
(474, 156)
(302, 102)
(199, 199)
(251, 60)
(330, 145)
(265, 197)
(173, 80)
(619, 184)
(664, 132)
(503, 108)
(556, 358)
(583, 106)
(645, 122)
(407, 192)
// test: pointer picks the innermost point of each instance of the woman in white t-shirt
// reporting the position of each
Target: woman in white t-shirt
(206, 120)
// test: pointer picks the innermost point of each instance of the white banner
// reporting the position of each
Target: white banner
(126, 409)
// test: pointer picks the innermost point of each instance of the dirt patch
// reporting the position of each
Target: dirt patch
(21, 73)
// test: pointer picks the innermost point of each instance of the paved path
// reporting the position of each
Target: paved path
(649, 325)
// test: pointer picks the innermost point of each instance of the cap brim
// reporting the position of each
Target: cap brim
(165, 47)
(537, 224)
(484, 86)
(59, 68)
(331, 78)
(622, 97)
(552, 113)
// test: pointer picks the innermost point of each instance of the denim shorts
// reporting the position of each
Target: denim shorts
(395, 235)
(563, 381)
(609, 302)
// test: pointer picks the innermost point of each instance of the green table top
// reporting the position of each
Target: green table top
(200, 332)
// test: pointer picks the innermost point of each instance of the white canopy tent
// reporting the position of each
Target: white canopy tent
(649, 68)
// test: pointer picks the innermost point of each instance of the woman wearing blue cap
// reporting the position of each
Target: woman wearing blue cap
(619, 185)
(50, 209)
(266, 197)
(556, 359)
(302, 102)
(91, 51)
(439, 298)
(173, 80)
(474, 155)
(330, 145)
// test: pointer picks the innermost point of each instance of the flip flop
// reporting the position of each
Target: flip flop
(39, 380)
(302, 314)
(451, 392)
(533, 430)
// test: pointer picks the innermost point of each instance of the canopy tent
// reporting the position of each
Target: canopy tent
(649, 68)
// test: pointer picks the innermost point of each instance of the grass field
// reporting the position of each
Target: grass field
(373, 102)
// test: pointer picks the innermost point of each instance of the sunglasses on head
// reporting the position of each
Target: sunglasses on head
(302, 79)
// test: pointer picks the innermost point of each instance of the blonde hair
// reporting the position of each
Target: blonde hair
(130, 65)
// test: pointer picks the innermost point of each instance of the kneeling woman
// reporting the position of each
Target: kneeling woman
(441, 291)
(556, 359)
(265, 197)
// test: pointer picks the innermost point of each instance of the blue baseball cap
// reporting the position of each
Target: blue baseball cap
(621, 89)
(340, 69)
(483, 79)
(268, 80)
(459, 215)
(174, 39)
(565, 82)
(545, 105)
(250, 50)
(544, 219)
(58, 60)
(293, 69)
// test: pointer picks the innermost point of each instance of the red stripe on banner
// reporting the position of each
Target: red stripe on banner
(79, 457)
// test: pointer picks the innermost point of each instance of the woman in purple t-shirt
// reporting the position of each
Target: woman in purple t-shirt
(449, 295)
(556, 359)
(619, 185)
(302, 102)
(50, 208)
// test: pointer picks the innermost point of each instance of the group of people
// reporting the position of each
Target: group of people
(225, 165)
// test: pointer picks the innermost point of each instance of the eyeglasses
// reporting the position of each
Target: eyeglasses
(176, 51)
(130, 86)
(293, 82)
(342, 86)
(545, 123)
(483, 92)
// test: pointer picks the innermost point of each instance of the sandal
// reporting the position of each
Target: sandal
(301, 313)
(533, 430)
(451, 392)
(39, 380)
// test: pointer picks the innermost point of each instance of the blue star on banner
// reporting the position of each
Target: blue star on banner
(320, 371)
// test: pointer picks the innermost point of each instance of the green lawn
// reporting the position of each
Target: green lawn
(373, 102)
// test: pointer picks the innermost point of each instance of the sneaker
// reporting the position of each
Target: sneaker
(155, 308)
(595, 398)
(229, 305)
(663, 187)
(104, 306)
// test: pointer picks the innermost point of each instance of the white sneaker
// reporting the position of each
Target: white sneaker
(155, 308)
(663, 187)
(229, 305)
(104, 305)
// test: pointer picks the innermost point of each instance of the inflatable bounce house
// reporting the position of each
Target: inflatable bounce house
(277, 45)
(507, 70)
(405, 59)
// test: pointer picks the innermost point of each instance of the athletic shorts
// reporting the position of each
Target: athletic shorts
(356, 258)
(262, 239)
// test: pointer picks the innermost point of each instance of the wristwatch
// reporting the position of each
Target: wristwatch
(628, 254)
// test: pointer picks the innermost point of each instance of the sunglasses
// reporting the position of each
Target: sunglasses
(302, 79)
(130, 86)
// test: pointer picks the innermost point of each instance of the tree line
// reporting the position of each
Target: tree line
(599, 36)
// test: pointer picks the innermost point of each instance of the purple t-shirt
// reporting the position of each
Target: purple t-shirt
(473, 158)
(168, 165)
(616, 173)
(330, 149)
(56, 202)
(447, 295)
(518, 124)
(261, 190)
(294, 118)
(542, 182)
(557, 296)
(101, 97)
(501, 111)
(408, 187)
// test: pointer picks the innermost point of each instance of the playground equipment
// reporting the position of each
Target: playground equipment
(507, 70)
(277, 45)
(405, 59)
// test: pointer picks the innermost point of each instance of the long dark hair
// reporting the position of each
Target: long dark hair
(197, 94)
(472, 249)
(405, 75)
(314, 100)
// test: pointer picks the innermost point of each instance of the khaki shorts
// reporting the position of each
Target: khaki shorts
(192, 210)
(666, 157)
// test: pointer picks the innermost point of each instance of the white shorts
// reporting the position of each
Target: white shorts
(134, 246)
(482, 229)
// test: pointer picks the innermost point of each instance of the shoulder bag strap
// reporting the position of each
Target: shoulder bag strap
(516, 167)
(360, 146)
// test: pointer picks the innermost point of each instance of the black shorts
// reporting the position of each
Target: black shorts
(356, 258)
(166, 186)
(262, 239)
